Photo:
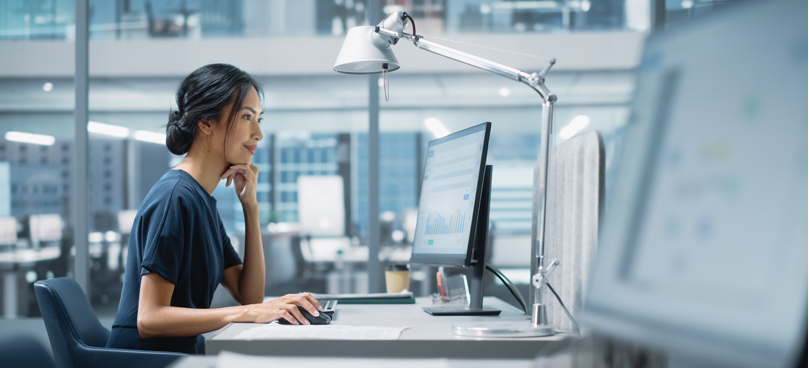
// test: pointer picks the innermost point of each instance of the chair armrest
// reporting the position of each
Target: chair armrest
(126, 358)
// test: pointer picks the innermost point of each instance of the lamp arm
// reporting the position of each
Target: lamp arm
(535, 80)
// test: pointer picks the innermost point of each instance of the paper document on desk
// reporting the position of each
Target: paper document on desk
(278, 331)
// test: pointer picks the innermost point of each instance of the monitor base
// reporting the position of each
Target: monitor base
(512, 329)
(461, 311)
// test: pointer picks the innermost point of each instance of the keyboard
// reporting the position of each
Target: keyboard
(329, 306)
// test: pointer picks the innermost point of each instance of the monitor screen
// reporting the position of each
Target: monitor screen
(705, 246)
(45, 227)
(8, 230)
(321, 210)
(450, 196)
(126, 219)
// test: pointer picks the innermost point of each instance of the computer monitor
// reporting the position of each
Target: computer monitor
(453, 216)
(126, 219)
(8, 230)
(703, 250)
(321, 210)
(45, 227)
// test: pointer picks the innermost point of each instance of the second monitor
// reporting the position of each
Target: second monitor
(453, 217)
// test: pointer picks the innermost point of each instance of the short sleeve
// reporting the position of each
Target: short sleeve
(165, 243)
(231, 256)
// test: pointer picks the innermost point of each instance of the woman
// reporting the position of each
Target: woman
(178, 249)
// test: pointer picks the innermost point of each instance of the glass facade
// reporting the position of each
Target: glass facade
(399, 173)
(300, 154)
(23, 20)
(36, 191)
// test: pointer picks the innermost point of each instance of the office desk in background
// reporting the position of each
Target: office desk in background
(428, 336)
(339, 249)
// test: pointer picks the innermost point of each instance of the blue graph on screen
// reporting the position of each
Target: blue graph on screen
(445, 225)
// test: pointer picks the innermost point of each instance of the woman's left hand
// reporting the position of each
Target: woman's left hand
(245, 179)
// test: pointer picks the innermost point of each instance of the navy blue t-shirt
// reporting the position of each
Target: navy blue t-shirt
(178, 235)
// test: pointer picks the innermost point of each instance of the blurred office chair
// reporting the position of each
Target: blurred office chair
(24, 352)
(77, 337)
(575, 194)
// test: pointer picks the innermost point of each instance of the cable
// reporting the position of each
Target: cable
(405, 15)
(575, 325)
(517, 295)
(509, 285)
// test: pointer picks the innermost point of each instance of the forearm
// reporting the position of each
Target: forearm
(251, 280)
(167, 321)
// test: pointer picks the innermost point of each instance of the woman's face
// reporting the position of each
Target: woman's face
(240, 145)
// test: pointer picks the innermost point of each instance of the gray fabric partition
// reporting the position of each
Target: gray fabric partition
(575, 194)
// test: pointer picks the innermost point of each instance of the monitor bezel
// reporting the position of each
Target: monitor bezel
(459, 259)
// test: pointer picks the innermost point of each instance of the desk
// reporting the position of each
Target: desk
(195, 361)
(14, 262)
(331, 250)
(427, 337)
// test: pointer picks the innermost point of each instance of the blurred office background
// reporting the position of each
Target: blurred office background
(316, 123)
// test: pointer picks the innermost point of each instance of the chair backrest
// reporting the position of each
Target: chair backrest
(574, 199)
(68, 316)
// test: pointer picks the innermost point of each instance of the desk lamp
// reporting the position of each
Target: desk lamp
(367, 50)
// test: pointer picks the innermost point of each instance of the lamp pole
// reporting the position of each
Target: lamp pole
(374, 269)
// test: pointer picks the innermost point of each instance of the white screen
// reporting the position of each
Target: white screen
(448, 194)
(321, 210)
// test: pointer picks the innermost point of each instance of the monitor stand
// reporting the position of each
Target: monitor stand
(479, 252)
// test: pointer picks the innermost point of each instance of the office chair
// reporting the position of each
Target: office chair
(24, 352)
(77, 337)
(574, 201)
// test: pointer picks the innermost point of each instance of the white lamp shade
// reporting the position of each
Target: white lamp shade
(360, 55)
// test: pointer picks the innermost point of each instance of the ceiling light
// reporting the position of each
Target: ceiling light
(95, 237)
(687, 4)
(505, 92)
(47, 87)
(45, 140)
(578, 123)
(112, 236)
(435, 126)
(106, 129)
(152, 137)
(390, 9)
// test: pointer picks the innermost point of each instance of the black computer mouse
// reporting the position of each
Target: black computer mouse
(322, 319)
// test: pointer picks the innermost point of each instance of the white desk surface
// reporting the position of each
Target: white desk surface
(30, 255)
(197, 361)
(428, 336)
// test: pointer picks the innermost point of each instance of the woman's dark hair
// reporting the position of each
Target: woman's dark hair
(204, 94)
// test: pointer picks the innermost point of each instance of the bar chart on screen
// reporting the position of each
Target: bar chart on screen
(438, 224)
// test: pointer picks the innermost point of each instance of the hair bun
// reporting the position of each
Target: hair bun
(175, 117)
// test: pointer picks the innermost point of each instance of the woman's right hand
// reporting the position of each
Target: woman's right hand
(285, 307)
